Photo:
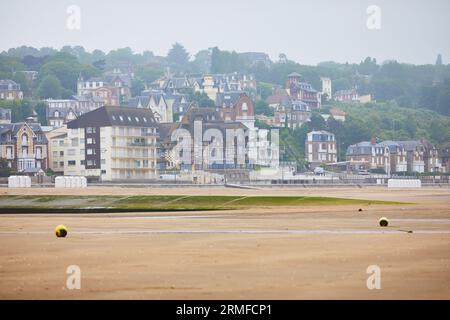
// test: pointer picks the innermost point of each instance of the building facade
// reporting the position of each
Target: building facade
(320, 147)
(113, 143)
(10, 90)
(61, 111)
(114, 90)
(155, 100)
(368, 155)
(24, 146)
(303, 91)
(326, 87)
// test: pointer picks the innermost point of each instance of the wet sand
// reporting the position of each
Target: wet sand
(305, 252)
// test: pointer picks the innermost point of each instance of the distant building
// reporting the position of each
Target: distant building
(415, 153)
(57, 144)
(113, 143)
(236, 106)
(24, 146)
(10, 90)
(368, 155)
(336, 113)
(179, 104)
(113, 89)
(303, 91)
(292, 114)
(211, 160)
(445, 156)
(155, 100)
(326, 87)
(397, 156)
(5, 116)
(432, 158)
(320, 148)
(350, 95)
(61, 111)
(403, 156)
(365, 98)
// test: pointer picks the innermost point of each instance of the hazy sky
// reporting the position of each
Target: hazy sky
(413, 31)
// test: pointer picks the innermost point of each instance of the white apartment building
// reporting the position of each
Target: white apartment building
(113, 143)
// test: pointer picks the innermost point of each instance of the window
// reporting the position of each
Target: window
(71, 162)
(113, 117)
(137, 119)
(121, 118)
(61, 153)
(74, 142)
(90, 141)
(61, 164)
(55, 153)
(90, 151)
(61, 143)
(82, 162)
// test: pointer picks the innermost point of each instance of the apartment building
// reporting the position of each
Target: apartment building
(113, 143)
(320, 147)
(57, 143)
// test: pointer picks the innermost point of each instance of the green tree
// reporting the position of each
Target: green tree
(178, 57)
(5, 170)
(50, 87)
(265, 90)
(41, 110)
(137, 86)
(261, 107)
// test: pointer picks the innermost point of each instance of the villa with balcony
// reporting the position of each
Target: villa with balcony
(24, 146)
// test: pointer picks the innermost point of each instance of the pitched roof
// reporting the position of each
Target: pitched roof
(107, 116)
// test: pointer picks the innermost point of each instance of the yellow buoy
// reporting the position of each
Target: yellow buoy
(61, 231)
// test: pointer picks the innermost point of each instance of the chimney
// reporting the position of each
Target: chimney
(373, 140)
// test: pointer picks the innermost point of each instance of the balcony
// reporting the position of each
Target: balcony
(26, 156)
(139, 144)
